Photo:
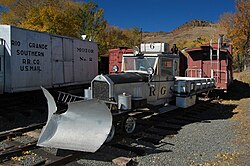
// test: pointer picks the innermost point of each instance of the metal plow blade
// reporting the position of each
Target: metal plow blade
(83, 127)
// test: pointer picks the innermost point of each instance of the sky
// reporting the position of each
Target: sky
(162, 15)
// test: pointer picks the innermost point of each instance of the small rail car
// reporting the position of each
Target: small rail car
(30, 59)
(148, 79)
(211, 61)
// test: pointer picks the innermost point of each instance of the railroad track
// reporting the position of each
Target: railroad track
(147, 138)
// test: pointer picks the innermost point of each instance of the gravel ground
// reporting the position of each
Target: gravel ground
(221, 138)
(196, 143)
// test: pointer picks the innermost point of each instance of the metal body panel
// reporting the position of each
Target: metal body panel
(30, 59)
(57, 60)
(85, 61)
(154, 47)
(136, 90)
(1, 67)
(34, 59)
(83, 127)
(185, 102)
(156, 93)
(209, 62)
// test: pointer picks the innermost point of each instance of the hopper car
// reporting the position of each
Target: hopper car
(149, 78)
(30, 59)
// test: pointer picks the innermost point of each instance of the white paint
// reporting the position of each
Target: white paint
(35, 59)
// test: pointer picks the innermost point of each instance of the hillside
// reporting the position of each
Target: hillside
(187, 32)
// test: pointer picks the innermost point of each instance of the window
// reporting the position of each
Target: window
(138, 63)
(167, 69)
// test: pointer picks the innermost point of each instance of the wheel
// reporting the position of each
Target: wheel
(129, 124)
(111, 134)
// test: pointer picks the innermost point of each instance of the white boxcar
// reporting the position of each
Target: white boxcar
(30, 59)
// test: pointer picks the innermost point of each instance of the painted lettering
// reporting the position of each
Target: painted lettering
(30, 68)
(29, 53)
(29, 61)
(38, 45)
(36, 61)
(151, 91)
(85, 50)
(82, 58)
(15, 43)
(30, 65)
(163, 90)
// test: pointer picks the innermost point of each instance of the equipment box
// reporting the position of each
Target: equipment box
(155, 47)
(185, 102)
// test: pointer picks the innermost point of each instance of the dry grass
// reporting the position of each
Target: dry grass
(189, 33)
(242, 129)
(243, 76)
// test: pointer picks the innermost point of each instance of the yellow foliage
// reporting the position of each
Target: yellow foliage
(237, 26)
(68, 18)
(188, 43)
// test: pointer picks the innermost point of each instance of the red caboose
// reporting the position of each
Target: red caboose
(211, 61)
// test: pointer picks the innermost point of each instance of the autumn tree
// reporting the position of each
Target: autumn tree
(68, 18)
(189, 43)
(93, 23)
(237, 26)
(60, 18)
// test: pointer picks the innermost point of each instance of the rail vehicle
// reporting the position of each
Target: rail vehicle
(30, 59)
(211, 60)
(149, 79)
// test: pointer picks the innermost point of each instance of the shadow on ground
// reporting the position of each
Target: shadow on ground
(237, 90)
(164, 125)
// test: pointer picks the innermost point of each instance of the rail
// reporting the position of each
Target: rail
(217, 75)
(64, 97)
(188, 86)
(197, 73)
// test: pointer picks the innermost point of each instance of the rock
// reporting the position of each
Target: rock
(123, 161)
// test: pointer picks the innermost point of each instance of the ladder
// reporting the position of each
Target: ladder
(215, 73)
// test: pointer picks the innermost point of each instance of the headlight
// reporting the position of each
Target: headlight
(115, 69)
(150, 70)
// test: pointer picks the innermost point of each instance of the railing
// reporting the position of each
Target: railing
(217, 75)
(188, 86)
(197, 73)
(67, 97)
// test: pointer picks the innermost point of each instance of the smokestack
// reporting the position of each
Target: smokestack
(221, 40)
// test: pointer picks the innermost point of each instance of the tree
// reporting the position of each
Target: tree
(57, 18)
(237, 26)
(68, 18)
(18, 10)
(188, 43)
(93, 23)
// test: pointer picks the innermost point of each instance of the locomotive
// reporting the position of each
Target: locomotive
(149, 78)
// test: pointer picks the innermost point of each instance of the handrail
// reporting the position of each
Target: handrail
(196, 71)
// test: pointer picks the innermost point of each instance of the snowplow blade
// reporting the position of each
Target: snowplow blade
(83, 127)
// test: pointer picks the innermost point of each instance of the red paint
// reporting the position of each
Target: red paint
(200, 65)
(115, 57)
